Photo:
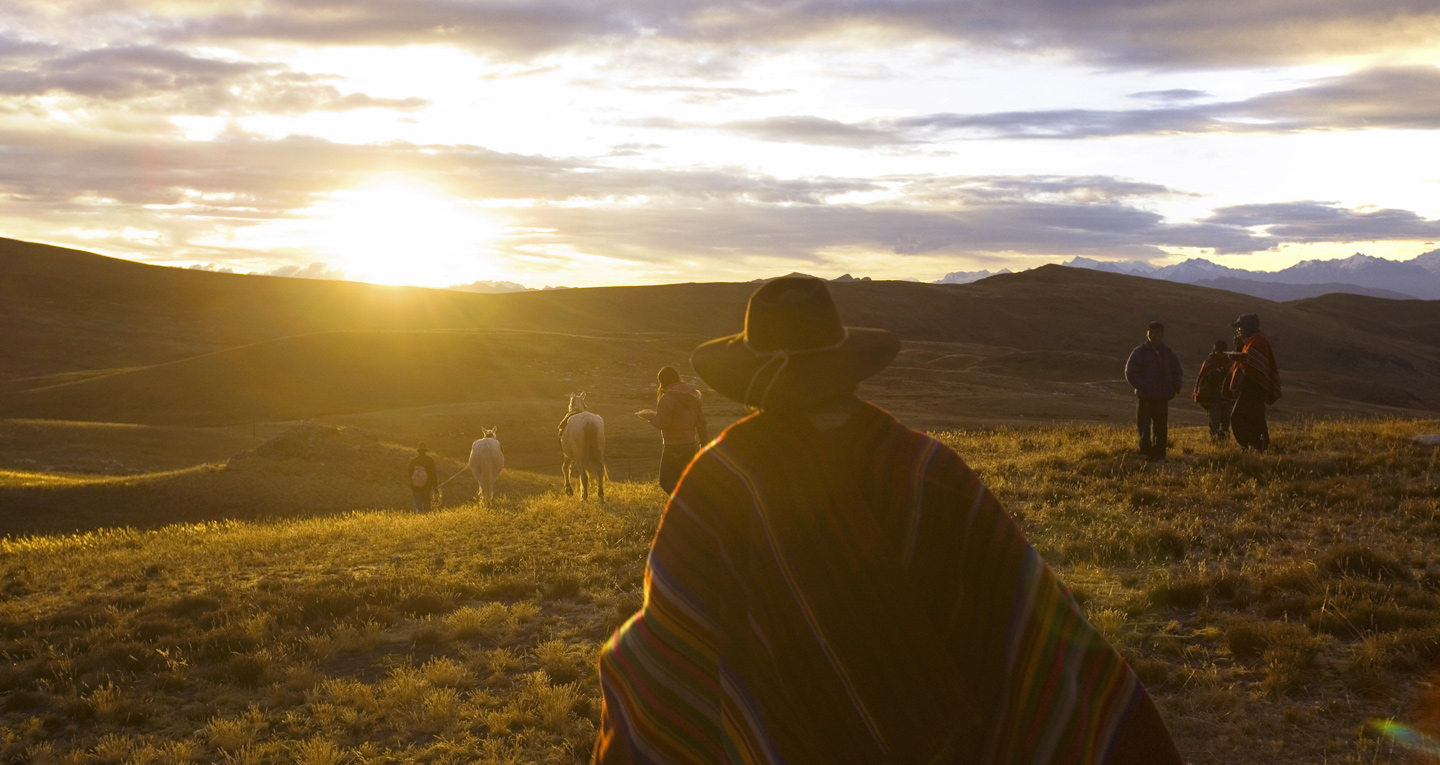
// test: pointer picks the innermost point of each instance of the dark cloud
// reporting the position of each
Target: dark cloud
(503, 27)
(168, 81)
(1398, 98)
(240, 179)
(660, 234)
(12, 47)
(1175, 94)
(813, 130)
(1310, 221)
(1120, 33)
(983, 189)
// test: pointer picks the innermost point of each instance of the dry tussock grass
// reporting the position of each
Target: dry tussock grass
(1275, 604)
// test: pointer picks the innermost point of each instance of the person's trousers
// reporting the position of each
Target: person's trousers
(1152, 419)
(422, 498)
(1247, 420)
(674, 458)
(1219, 410)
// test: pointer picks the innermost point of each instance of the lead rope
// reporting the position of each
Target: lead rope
(784, 355)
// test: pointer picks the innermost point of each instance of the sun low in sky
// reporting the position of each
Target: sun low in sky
(400, 231)
(497, 144)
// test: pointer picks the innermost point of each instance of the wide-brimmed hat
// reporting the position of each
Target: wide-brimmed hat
(794, 350)
(1249, 322)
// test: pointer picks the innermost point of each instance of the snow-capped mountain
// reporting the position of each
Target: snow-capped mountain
(1359, 273)
(965, 277)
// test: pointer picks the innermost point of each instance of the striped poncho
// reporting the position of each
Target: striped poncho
(857, 595)
(1259, 365)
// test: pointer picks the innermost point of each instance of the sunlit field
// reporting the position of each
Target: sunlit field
(1282, 608)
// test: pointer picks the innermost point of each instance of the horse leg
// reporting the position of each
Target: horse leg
(585, 484)
(565, 468)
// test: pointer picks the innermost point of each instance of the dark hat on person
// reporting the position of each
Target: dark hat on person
(1250, 322)
(421, 449)
(1221, 345)
(668, 375)
(794, 350)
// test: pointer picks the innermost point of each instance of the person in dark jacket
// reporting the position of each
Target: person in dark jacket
(422, 479)
(681, 421)
(1153, 370)
(1212, 390)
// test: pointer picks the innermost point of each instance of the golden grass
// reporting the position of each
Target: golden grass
(27, 479)
(1276, 605)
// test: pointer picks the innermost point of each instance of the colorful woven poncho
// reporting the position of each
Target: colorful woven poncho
(857, 595)
(1259, 365)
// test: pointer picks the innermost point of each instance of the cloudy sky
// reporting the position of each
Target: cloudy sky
(586, 142)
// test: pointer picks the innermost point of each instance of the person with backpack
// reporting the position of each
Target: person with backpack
(681, 421)
(423, 484)
(1212, 390)
(829, 586)
(1153, 370)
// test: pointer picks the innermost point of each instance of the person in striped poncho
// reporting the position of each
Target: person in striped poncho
(1256, 385)
(829, 586)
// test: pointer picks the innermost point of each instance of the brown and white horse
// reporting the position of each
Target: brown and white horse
(582, 440)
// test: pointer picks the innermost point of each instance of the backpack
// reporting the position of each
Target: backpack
(1213, 381)
(418, 477)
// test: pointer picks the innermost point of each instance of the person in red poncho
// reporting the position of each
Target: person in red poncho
(830, 586)
(1255, 384)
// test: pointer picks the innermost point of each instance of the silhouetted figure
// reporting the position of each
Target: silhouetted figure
(681, 421)
(1256, 384)
(1153, 370)
(423, 484)
(1212, 390)
(829, 586)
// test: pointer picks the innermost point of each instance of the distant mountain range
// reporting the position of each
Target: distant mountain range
(1358, 274)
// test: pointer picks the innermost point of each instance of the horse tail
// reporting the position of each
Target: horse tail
(591, 457)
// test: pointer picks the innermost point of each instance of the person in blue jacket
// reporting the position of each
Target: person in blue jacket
(1153, 370)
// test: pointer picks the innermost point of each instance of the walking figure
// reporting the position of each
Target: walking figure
(423, 484)
(681, 422)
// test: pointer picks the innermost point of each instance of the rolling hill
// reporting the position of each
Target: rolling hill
(93, 338)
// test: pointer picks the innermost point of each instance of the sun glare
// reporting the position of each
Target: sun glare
(405, 232)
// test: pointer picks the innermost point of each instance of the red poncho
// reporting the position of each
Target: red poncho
(1258, 364)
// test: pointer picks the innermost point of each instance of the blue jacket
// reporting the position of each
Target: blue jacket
(1153, 372)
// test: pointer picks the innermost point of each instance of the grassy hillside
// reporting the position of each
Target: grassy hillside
(73, 320)
(306, 470)
(1280, 607)
(343, 372)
